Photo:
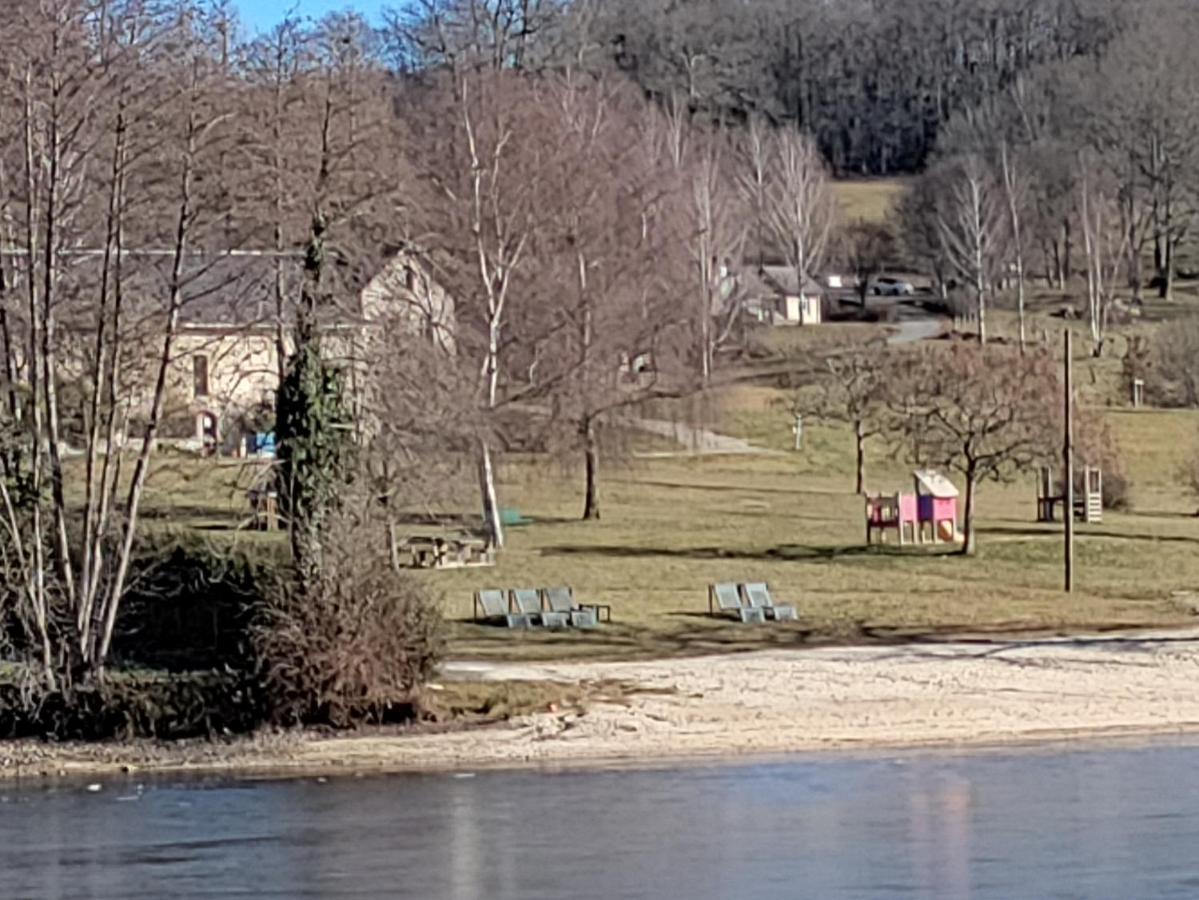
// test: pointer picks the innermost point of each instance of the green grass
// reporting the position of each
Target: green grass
(673, 525)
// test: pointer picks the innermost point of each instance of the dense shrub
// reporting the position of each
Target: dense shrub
(166, 707)
(350, 645)
(191, 603)
(1171, 365)
(1096, 445)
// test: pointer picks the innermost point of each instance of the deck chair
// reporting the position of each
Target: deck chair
(494, 605)
(726, 598)
(527, 602)
(561, 602)
(757, 595)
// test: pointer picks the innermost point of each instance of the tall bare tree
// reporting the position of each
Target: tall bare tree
(800, 208)
(970, 220)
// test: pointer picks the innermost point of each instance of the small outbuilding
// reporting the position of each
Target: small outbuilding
(776, 296)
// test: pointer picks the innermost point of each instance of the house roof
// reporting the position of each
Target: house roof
(222, 290)
(782, 279)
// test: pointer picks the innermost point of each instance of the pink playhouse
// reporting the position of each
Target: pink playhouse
(930, 513)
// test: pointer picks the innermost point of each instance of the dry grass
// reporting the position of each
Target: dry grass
(672, 526)
(869, 200)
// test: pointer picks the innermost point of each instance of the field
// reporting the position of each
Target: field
(868, 200)
(673, 524)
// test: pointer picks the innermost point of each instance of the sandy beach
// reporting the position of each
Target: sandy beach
(962, 694)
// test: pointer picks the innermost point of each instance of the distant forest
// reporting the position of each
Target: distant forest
(874, 82)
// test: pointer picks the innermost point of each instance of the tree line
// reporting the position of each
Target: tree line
(874, 83)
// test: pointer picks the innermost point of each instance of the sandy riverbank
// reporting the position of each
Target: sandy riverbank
(935, 694)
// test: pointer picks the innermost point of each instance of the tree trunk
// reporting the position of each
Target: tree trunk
(968, 542)
(491, 507)
(591, 505)
(1067, 252)
(859, 438)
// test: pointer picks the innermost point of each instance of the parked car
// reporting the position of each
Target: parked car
(892, 287)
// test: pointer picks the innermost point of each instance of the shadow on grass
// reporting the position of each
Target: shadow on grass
(732, 488)
(228, 513)
(620, 641)
(1087, 531)
(701, 634)
(783, 552)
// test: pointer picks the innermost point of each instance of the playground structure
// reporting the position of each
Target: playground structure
(930, 513)
(1088, 503)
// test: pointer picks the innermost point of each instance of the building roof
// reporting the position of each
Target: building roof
(224, 290)
(783, 280)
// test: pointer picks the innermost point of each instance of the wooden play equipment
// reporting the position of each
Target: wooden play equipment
(264, 508)
(929, 514)
(1088, 505)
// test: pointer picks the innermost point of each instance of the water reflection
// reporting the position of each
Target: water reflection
(940, 837)
(1097, 824)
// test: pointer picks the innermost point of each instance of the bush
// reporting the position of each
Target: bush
(191, 603)
(171, 707)
(1172, 364)
(352, 645)
(1097, 446)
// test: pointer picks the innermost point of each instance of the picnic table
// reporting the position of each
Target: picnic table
(447, 552)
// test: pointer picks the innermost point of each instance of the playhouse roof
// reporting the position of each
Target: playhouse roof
(934, 484)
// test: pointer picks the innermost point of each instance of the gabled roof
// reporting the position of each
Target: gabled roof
(783, 280)
(934, 484)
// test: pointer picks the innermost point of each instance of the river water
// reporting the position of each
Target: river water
(1098, 823)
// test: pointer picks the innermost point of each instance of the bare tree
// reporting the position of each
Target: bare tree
(800, 210)
(481, 151)
(708, 201)
(851, 386)
(106, 128)
(970, 221)
(985, 413)
(1105, 241)
(622, 336)
(1016, 193)
(867, 247)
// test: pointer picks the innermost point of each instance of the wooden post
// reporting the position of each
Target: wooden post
(798, 429)
(1138, 393)
(1068, 468)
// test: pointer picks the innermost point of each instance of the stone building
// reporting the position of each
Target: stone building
(225, 367)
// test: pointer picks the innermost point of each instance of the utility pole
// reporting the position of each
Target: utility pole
(1068, 469)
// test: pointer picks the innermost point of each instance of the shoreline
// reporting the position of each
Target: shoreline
(774, 704)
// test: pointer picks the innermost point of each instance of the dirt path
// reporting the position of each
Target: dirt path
(698, 441)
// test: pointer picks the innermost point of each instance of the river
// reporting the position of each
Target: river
(1095, 823)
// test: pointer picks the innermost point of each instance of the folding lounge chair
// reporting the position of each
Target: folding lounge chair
(561, 602)
(757, 594)
(527, 602)
(494, 605)
(727, 599)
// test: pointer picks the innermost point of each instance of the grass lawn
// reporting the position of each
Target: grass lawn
(870, 200)
(672, 525)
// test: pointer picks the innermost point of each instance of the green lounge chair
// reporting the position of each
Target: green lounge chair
(561, 602)
(757, 595)
(726, 598)
(496, 611)
(527, 602)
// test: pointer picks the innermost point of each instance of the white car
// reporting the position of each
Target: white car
(892, 287)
